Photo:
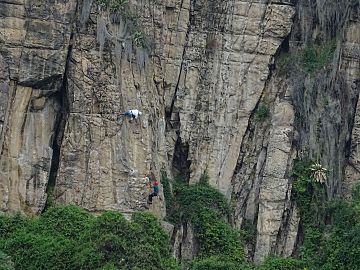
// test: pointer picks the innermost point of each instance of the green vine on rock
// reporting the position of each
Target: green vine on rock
(119, 11)
(139, 39)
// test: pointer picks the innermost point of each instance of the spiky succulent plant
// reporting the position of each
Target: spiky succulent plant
(318, 172)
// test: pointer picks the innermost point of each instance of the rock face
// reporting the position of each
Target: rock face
(201, 72)
(34, 44)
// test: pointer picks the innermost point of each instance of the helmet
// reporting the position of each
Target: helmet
(156, 183)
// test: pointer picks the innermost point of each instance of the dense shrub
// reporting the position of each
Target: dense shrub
(68, 221)
(68, 237)
(207, 210)
(10, 224)
(213, 263)
(5, 262)
(278, 263)
(199, 198)
(340, 245)
(331, 229)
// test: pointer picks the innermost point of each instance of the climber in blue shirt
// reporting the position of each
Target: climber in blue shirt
(155, 191)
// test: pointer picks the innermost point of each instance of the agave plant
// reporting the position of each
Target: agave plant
(318, 172)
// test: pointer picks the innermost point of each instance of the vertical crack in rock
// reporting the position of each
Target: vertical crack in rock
(34, 49)
(180, 163)
(168, 114)
(60, 123)
(252, 137)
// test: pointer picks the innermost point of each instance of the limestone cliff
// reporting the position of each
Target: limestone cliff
(201, 72)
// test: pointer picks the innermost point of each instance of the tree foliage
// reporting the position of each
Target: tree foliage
(68, 237)
(331, 228)
(207, 210)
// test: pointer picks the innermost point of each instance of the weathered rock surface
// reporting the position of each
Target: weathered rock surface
(207, 69)
(351, 66)
(317, 115)
(34, 43)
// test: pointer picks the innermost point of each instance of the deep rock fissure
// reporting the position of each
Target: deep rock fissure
(169, 113)
(60, 122)
(180, 163)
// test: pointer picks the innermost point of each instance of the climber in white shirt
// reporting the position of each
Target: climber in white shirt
(132, 114)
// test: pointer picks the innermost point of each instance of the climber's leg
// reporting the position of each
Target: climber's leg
(151, 196)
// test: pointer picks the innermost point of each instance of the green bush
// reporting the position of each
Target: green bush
(216, 237)
(310, 198)
(340, 247)
(69, 221)
(68, 237)
(309, 59)
(278, 263)
(152, 232)
(207, 210)
(111, 221)
(332, 245)
(325, 246)
(40, 251)
(195, 199)
(314, 57)
(309, 195)
(213, 263)
(5, 262)
(11, 224)
(88, 257)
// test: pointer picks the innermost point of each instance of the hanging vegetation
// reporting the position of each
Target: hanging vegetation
(118, 24)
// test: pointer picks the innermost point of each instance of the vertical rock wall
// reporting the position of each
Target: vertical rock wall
(197, 94)
(34, 42)
(351, 66)
(311, 117)
(70, 68)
